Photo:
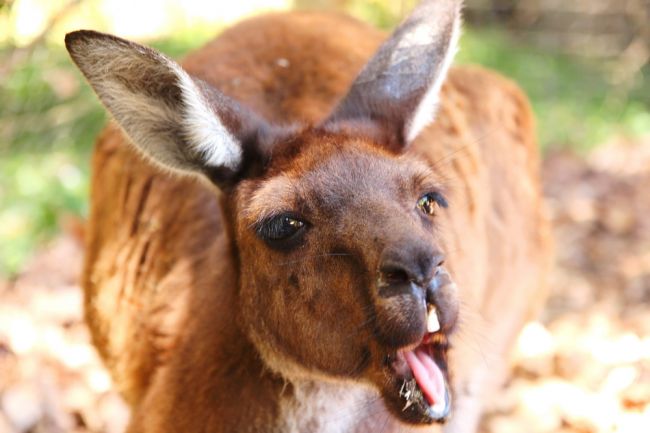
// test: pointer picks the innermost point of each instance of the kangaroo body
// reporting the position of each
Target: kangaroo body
(162, 269)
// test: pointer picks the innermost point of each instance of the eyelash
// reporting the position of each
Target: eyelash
(283, 231)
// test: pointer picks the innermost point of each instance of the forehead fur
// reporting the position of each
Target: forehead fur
(331, 173)
(272, 196)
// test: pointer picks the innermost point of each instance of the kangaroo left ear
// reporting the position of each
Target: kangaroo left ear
(178, 121)
(398, 89)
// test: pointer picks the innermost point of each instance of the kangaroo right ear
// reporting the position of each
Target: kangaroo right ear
(179, 121)
(399, 88)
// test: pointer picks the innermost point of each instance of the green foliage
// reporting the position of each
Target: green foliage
(49, 119)
(5, 4)
(575, 103)
(37, 192)
(47, 123)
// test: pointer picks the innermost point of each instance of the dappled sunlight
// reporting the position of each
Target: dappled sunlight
(586, 366)
(51, 378)
(141, 19)
(592, 381)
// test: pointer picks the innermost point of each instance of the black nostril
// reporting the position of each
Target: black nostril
(404, 265)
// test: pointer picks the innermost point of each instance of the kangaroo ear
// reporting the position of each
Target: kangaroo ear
(399, 87)
(179, 121)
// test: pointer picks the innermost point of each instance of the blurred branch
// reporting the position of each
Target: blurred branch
(54, 20)
(18, 55)
(6, 4)
(591, 28)
(629, 64)
(637, 54)
(320, 4)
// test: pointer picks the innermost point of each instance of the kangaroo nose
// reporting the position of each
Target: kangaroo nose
(415, 263)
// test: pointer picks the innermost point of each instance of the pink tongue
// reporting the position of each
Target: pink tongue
(427, 375)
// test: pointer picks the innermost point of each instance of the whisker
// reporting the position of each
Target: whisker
(436, 164)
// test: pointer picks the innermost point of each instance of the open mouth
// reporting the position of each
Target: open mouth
(421, 380)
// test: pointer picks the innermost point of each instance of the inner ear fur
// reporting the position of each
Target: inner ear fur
(178, 121)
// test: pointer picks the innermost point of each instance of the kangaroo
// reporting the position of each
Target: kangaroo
(282, 238)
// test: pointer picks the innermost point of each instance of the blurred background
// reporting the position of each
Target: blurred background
(584, 366)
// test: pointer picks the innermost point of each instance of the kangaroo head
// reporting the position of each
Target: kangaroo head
(340, 267)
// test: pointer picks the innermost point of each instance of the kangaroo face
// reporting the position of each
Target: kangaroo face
(341, 266)
(341, 271)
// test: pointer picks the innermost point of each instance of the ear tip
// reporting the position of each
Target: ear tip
(74, 39)
(78, 38)
(82, 34)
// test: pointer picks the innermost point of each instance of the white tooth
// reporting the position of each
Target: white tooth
(433, 325)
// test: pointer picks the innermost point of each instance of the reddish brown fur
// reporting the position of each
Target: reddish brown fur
(161, 281)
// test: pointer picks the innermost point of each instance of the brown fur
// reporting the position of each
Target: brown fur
(174, 276)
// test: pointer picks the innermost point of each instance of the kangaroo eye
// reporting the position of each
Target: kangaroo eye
(281, 231)
(430, 201)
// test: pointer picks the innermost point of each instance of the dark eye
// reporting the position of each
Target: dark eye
(430, 201)
(281, 231)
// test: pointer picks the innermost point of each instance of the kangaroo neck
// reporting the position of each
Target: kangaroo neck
(246, 396)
